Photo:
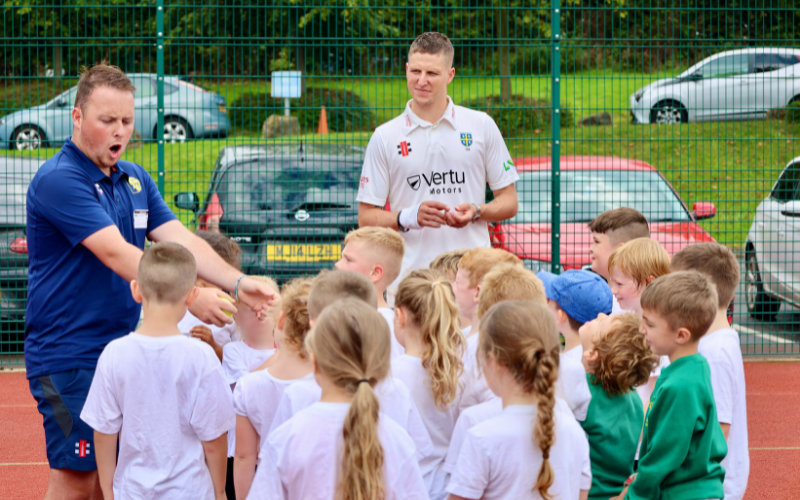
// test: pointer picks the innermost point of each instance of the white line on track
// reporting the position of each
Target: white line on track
(772, 338)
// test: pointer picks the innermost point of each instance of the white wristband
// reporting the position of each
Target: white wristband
(408, 217)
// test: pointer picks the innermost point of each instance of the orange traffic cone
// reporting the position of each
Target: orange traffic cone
(323, 122)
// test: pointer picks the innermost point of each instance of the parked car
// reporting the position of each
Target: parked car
(733, 85)
(590, 185)
(189, 112)
(289, 207)
(772, 251)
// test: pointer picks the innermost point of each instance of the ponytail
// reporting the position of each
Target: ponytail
(361, 471)
(428, 297)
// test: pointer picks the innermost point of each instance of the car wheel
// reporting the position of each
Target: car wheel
(669, 113)
(176, 130)
(760, 305)
(28, 138)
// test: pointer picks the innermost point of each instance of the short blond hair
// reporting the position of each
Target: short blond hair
(167, 273)
(101, 75)
(479, 261)
(715, 261)
(447, 263)
(387, 247)
(509, 282)
(331, 285)
(640, 259)
(685, 299)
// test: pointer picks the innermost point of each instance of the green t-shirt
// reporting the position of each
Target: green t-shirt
(682, 442)
(613, 424)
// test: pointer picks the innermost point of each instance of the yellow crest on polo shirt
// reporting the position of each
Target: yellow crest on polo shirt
(135, 185)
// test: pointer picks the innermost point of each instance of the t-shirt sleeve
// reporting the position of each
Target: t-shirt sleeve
(409, 484)
(723, 383)
(212, 414)
(575, 383)
(418, 432)
(585, 460)
(233, 363)
(500, 170)
(158, 211)
(375, 182)
(283, 412)
(102, 411)
(463, 425)
(471, 475)
(476, 389)
(239, 398)
(70, 203)
(267, 483)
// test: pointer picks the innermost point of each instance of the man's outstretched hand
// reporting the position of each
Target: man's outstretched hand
(257, 296)
(209, 305)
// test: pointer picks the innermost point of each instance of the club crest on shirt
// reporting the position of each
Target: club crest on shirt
(99, 189)
(466, 139)
(135, 185)
(414, 182)
(404, 148)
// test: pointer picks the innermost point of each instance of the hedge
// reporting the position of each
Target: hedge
(519, 116)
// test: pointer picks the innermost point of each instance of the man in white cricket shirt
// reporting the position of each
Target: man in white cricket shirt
(432, 164)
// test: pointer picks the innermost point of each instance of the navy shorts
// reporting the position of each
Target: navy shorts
(60, 398)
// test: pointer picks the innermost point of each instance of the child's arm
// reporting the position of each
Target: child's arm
(584, 495)
(216, 452)
(105, 448)
(204, 333)
(244, 464)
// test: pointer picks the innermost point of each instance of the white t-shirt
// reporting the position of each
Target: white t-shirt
(388, 315)
(572, 385)
(468, 419)
(409, 161)
(440, 424)
(256, 397)
(393, 396)
(499, 459)
(615, 307)
(476, 389)
(302, 458)
(644, 390)
(222, 335)
(723, 353)
(165, 396)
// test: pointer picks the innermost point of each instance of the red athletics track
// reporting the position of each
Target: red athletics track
(773, 407)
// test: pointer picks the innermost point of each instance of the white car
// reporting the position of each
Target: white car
(772, 252)
(734, 85)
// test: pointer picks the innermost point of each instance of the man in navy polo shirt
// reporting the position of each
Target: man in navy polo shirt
(89, 214)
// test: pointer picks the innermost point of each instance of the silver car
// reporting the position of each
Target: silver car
(772, 252)
(189, 112)
(733, 85)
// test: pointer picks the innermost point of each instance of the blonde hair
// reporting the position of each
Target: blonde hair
(715, 261)
(167, 273)
(479, 261)
(523, 337)
(509, 282)
(350, 343)
(331, 285)
(426, 296)
(386, 245)
(625, 359)
(685, 299)
(294, 305)
(447, 263)
(640, 259)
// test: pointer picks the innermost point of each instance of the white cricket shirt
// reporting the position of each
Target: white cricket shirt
(409, 161)
(222, 335)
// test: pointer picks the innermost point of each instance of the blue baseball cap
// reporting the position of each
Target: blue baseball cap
(581, 294)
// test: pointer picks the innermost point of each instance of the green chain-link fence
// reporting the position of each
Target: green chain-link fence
(685, 110)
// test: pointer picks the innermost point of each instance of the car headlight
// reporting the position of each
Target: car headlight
(536, 265)
(638, 95)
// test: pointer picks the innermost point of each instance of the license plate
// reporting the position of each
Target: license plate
(223, 109)
(304, 253)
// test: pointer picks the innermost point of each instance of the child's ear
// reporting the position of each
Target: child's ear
(313, 360)
(650, 279)
(477, 297)
(684, 336)
(591, 356)
(376, 274)
(400, 316)
(282, 320)
(561, 317)
(136, 291)
(192, 296)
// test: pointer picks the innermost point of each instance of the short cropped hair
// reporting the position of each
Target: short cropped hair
(479, 261)
(685, 299)
(625, 359)
(640, 259)
(330, 286)
(433, 43)
(447, 263)
(101, 75)
(229, 250)
(387, 246)
(509, 282)
(715, 261)
(621, 225)
(167, 273)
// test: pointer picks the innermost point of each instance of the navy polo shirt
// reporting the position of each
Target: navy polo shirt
(77, 305)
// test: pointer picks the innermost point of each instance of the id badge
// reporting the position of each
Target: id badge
(140, 219)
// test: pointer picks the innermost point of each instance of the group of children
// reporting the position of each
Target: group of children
(482, 381)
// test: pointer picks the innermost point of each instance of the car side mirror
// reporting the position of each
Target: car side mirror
(791, 209)
(187, 201)
(704, 210)
(696, 76)
(59, 102)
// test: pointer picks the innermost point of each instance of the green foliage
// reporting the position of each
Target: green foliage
(347, 112)
(793, 112)
(521, 116)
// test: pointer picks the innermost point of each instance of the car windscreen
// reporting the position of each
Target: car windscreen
(268, 185)
(585, 194)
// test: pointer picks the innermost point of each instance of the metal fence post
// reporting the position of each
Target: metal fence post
(555, 183)
(160, 91)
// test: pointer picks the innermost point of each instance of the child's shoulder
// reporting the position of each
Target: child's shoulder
(720, 344)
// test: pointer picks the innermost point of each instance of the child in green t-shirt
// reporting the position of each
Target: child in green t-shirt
(682, 441)
(617, 359)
